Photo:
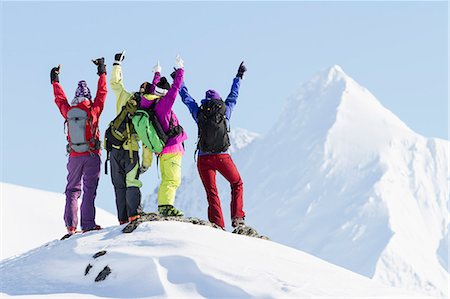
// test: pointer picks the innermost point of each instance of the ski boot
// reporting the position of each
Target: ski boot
(169, 211)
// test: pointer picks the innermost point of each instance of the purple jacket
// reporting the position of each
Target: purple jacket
(164, 112)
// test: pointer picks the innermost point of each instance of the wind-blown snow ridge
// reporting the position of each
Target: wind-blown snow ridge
(180, 260)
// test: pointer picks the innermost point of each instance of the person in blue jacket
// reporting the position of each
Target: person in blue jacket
(212, 118)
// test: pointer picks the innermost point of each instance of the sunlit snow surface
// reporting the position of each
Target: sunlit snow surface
(180, 260)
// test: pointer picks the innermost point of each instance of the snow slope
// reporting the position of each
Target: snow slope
(180, 260)
(341, 177)
(30, 218)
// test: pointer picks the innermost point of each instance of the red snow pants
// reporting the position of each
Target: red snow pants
(207, 166)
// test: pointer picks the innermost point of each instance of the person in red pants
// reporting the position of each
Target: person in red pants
(212, 119)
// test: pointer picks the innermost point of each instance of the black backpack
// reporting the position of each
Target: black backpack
(212, 127)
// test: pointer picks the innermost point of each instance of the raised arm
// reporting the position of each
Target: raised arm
(231, 100)
(157, 71)
(166, 102)
(60, 96)
(116, 82)
(189, 101)
(100, 97)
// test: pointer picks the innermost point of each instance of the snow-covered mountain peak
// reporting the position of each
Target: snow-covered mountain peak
(333, 102)
(327, 78)
(336, 69)
(240, 138)
(335, 73)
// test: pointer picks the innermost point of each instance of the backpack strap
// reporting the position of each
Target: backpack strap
(195, 154)
(130, 149)
(106, 162)
(94, 140)
(157, 165)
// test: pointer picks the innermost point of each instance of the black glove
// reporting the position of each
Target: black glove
(242, 69)
(118, 58)
(101, 67)
(172, 74)
(54, 74)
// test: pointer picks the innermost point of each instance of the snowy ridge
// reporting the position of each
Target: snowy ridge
(180, 260)
(341, 177)
(36, 214)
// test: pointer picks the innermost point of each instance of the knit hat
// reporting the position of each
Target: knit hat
(162, 87)
(83, 91)
(81, 94)
(147, 88)
(212, 94)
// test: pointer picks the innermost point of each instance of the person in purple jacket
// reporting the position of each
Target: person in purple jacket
(212, 119)
(171, 156)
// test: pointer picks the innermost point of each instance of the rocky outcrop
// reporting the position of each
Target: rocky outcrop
(147, 217)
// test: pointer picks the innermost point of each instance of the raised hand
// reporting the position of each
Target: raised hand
(157, 68)
(179, 62)
(100, 63)
(119, 57)
(242, 69)
(54, 74)
(172, 74)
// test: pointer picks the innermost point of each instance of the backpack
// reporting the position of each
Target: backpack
(212, 127)
(150, 130)
(121, 128)
(81, 135)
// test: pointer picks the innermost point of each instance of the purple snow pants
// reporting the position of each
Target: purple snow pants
(83, 171)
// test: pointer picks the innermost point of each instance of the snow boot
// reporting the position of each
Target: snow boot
(132, 218)
(237, 221)
(97, 227)
(169, 211)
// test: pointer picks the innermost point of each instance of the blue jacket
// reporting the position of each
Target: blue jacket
(193, 107)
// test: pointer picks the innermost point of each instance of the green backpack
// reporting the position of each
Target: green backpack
(149, 129)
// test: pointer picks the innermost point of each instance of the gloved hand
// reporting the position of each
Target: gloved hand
(131, 106)
(242, 69)
(118, 58)
(172, 74)
(142, 169)
(54, 74)
(179, 62)
(101, 67)
(157, 68)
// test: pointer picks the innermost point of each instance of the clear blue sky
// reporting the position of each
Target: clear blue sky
(398, 50)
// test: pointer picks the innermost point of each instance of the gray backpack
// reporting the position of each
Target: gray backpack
(80, 132)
